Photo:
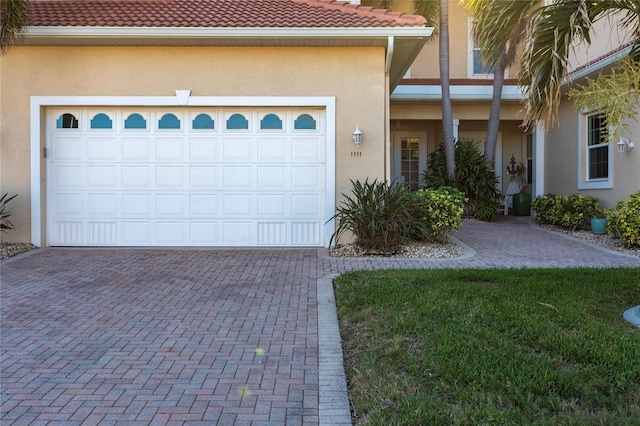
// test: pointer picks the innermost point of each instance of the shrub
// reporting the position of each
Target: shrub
(438, 212)
(571, 212)
(624, 220)
(377, 214)
(473, 177)
(5, 224)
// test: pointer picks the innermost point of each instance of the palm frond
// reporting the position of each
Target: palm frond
(13, 18)
(430, 9)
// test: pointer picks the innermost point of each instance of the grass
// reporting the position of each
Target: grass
(473, 347)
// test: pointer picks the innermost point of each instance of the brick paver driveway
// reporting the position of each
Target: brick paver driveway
(227, 337)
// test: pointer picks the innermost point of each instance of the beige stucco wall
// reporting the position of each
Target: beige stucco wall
(561, 161)
(355, 76)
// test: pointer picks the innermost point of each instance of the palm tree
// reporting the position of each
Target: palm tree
(500, 28)
(554, 30)
(437, 13)
(13, 18)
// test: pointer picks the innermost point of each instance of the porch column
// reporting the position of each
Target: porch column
(537, 187)
(456, 124)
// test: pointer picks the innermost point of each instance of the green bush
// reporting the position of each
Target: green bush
(378, 214)
(438, 212)
(571, 212)
(5, 224)
(623, 220)
(473, 177)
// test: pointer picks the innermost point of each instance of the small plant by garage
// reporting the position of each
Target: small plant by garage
(5, 224)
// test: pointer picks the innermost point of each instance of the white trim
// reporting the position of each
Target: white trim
(241, 32)
(38, 113)
(458, 92)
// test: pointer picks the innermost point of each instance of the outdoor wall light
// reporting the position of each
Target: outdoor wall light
(622, 143)
(357, 136)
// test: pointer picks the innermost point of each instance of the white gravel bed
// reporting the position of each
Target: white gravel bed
(12, 249)
(604, 240)
(414, 249)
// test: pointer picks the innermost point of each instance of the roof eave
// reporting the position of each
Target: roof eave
(48, 34)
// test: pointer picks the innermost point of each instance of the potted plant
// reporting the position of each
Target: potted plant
(598, 220)
(521, 201)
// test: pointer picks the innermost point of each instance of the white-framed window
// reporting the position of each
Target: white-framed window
(595, 152)
(476, 67)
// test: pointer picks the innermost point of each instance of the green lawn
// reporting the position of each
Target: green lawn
(470, 347)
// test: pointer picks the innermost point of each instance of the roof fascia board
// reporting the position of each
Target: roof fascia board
(596, 66)
(466, 93)
(249, 32)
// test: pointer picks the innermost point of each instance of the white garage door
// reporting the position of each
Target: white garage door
(186, 177)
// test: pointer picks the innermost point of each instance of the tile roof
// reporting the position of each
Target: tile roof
(214, 14)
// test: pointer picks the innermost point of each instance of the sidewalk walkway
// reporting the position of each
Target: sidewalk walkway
(206, 336)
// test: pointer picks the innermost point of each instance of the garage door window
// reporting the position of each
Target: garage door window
(304, 122)
(271, 122)
(203, 122)
(135, 121)
(237, 122)
(169, 121)
(101, 121)
(67, 121)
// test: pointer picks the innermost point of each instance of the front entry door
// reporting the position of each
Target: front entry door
(408, 158)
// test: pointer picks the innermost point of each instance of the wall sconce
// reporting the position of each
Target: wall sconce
(622, 143)
(357, 136)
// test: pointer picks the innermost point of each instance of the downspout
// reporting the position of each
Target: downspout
(387, 110)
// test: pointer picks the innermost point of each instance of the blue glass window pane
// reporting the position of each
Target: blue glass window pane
(67, 121)
(479, 67)
(135, 121)
(271, 121)
(237, 121)
(101, 121)
(169, 121)
(203, 121)
(304, 122)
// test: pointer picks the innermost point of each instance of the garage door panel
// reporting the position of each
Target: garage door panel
(237, 177)
(205, 177)
(203, 149)
(102, 233)
(237, 149)
(68, 205)
(205, 233)
(237, 233)
(237, 204)
(137, 177)
(272, 233)
(102, 177)
(171, 205)
(271, 149)
(170, 149)
(102, 205)
(204, 205)
(210, 182)
(67, 176)
(272, 177)
(270, 205)
(306, 177)
(170, 233)
(136, 204)
(69, 148)
(136, 149)
(103, 149)
(305, 233)
(168, 177)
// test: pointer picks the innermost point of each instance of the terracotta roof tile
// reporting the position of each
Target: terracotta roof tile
(214, 13)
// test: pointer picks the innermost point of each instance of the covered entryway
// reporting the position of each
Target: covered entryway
(170, 176)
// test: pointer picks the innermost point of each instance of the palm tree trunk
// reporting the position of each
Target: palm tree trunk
(447, 115)
(494, 115)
